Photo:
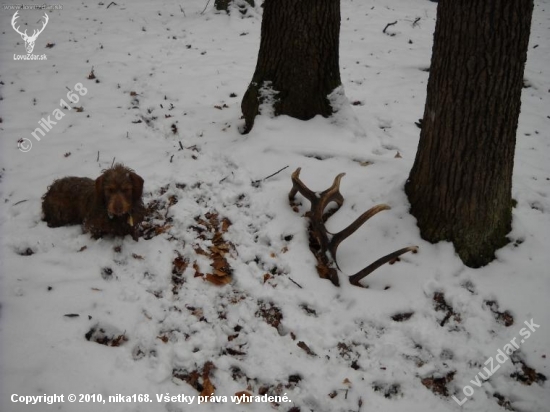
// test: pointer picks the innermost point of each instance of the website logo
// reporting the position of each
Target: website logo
(29, 40)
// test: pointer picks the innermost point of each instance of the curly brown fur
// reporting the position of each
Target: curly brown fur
(110, 205)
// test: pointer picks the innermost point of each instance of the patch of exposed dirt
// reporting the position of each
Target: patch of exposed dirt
(505, 318)
(441, 305)
(270, 313)
(438, 384)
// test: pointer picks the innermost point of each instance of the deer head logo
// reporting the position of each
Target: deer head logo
(29, 40)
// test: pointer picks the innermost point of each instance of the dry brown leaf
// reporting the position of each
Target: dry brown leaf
(218, 280)
(225, 224)
(199, 251)
(220, 264)
(218, 238)
(197, 270)
(162, 229)
(220, 273)
(242, 395)
(197, 312)
(208, 387)
(179, 265)
(306, 348)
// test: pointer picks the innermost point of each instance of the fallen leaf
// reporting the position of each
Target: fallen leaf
(218, 280)
(244, 396)
(208, 387)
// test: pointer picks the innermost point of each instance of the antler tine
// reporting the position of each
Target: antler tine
(299, 186)
(332, 194)
(337, 238)
(354, 280)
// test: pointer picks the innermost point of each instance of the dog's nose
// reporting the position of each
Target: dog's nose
(118, 207)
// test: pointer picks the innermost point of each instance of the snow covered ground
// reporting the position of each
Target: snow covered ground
(165, 101)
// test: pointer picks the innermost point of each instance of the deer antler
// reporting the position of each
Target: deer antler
(324, 244)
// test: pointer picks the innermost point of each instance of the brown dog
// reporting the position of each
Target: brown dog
(111, 205)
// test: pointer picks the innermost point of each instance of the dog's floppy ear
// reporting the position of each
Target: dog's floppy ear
(137, 187)
(99, 192)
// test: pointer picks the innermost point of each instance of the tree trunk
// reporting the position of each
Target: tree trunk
(460, 185)
(297, 61)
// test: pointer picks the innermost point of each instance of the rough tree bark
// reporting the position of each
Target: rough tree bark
(298, 59)
(460, 185)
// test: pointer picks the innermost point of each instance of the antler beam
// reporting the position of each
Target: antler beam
(324, 244)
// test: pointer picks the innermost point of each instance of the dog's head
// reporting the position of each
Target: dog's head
(119, 188)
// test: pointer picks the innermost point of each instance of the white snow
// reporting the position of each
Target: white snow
(166, 63)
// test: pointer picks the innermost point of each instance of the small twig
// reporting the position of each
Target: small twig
(112, 164)
(416, 21)
(388, 25)
(171, 157)
(111, 4)
(21, 201)
(183, 11)
(207, 3)
(221, 181)
(181, 146)
(297, 284)
(255, 183)
(97, 160)
(278, 171)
